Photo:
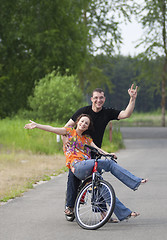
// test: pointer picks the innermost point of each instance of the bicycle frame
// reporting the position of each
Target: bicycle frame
(95, 173)
(94, 179)
(96, 199)
(93, 196)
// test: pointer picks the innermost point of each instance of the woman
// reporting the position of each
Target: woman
(78, 157)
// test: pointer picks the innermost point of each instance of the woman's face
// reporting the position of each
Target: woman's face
(83, 123)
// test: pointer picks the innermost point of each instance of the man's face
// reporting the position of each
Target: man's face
(98, 100)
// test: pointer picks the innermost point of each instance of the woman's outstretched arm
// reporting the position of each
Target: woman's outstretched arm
(59, 131)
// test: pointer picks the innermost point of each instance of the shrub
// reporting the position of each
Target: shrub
(56, 97)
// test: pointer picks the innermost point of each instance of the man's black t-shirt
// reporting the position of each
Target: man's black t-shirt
(100, 121)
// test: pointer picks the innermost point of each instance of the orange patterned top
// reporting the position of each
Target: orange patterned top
(75, 150)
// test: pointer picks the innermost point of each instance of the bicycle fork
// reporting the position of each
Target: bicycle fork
(94, 180)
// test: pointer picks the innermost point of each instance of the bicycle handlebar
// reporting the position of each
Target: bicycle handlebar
(95, 150)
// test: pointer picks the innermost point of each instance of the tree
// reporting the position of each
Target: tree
(102, 19)
(122, 73)
(37, 36)
(154, 21)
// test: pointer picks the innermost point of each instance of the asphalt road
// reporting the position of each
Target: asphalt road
(38, 215)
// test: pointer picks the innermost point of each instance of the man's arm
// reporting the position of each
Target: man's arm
(70, 123)
(129, 109)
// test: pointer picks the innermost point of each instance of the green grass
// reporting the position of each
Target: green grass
(14, 135)
(116, 141)
(150, 119)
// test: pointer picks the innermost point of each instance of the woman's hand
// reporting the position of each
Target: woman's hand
(114, 156)
(31, 125)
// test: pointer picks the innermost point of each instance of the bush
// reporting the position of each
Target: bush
(56, 97)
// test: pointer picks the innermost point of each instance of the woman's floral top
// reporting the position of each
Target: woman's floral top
(75, 150)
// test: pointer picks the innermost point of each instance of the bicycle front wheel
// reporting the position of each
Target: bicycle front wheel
(94, 208)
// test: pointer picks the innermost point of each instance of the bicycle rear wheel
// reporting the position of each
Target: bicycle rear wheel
(93, 213)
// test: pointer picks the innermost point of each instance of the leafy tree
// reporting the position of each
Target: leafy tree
(94, 75)
(102, 18)
(154, 21)
(56, 97)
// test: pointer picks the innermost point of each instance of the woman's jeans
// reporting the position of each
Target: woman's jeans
(84, 169)
(73, 183)
(121, 211)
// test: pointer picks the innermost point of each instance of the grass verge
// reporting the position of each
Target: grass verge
(20, 170)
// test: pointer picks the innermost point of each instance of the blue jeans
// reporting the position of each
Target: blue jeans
(72, 189)
(84, 169)
(121, 211)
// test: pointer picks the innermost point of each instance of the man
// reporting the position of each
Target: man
(101, 116)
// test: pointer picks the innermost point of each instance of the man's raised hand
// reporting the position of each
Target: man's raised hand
(133, 91)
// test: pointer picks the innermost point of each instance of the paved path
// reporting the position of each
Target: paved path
(38, 215)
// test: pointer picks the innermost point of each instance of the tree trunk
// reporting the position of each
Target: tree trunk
(163, 100)
(164, 73)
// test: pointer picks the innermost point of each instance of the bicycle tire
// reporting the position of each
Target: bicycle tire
(93, 215)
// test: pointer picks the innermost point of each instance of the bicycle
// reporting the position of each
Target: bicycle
(95, 201)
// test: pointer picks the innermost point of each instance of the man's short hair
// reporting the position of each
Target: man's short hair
(99, 90)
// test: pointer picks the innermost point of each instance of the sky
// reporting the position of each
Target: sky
(130, 34)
